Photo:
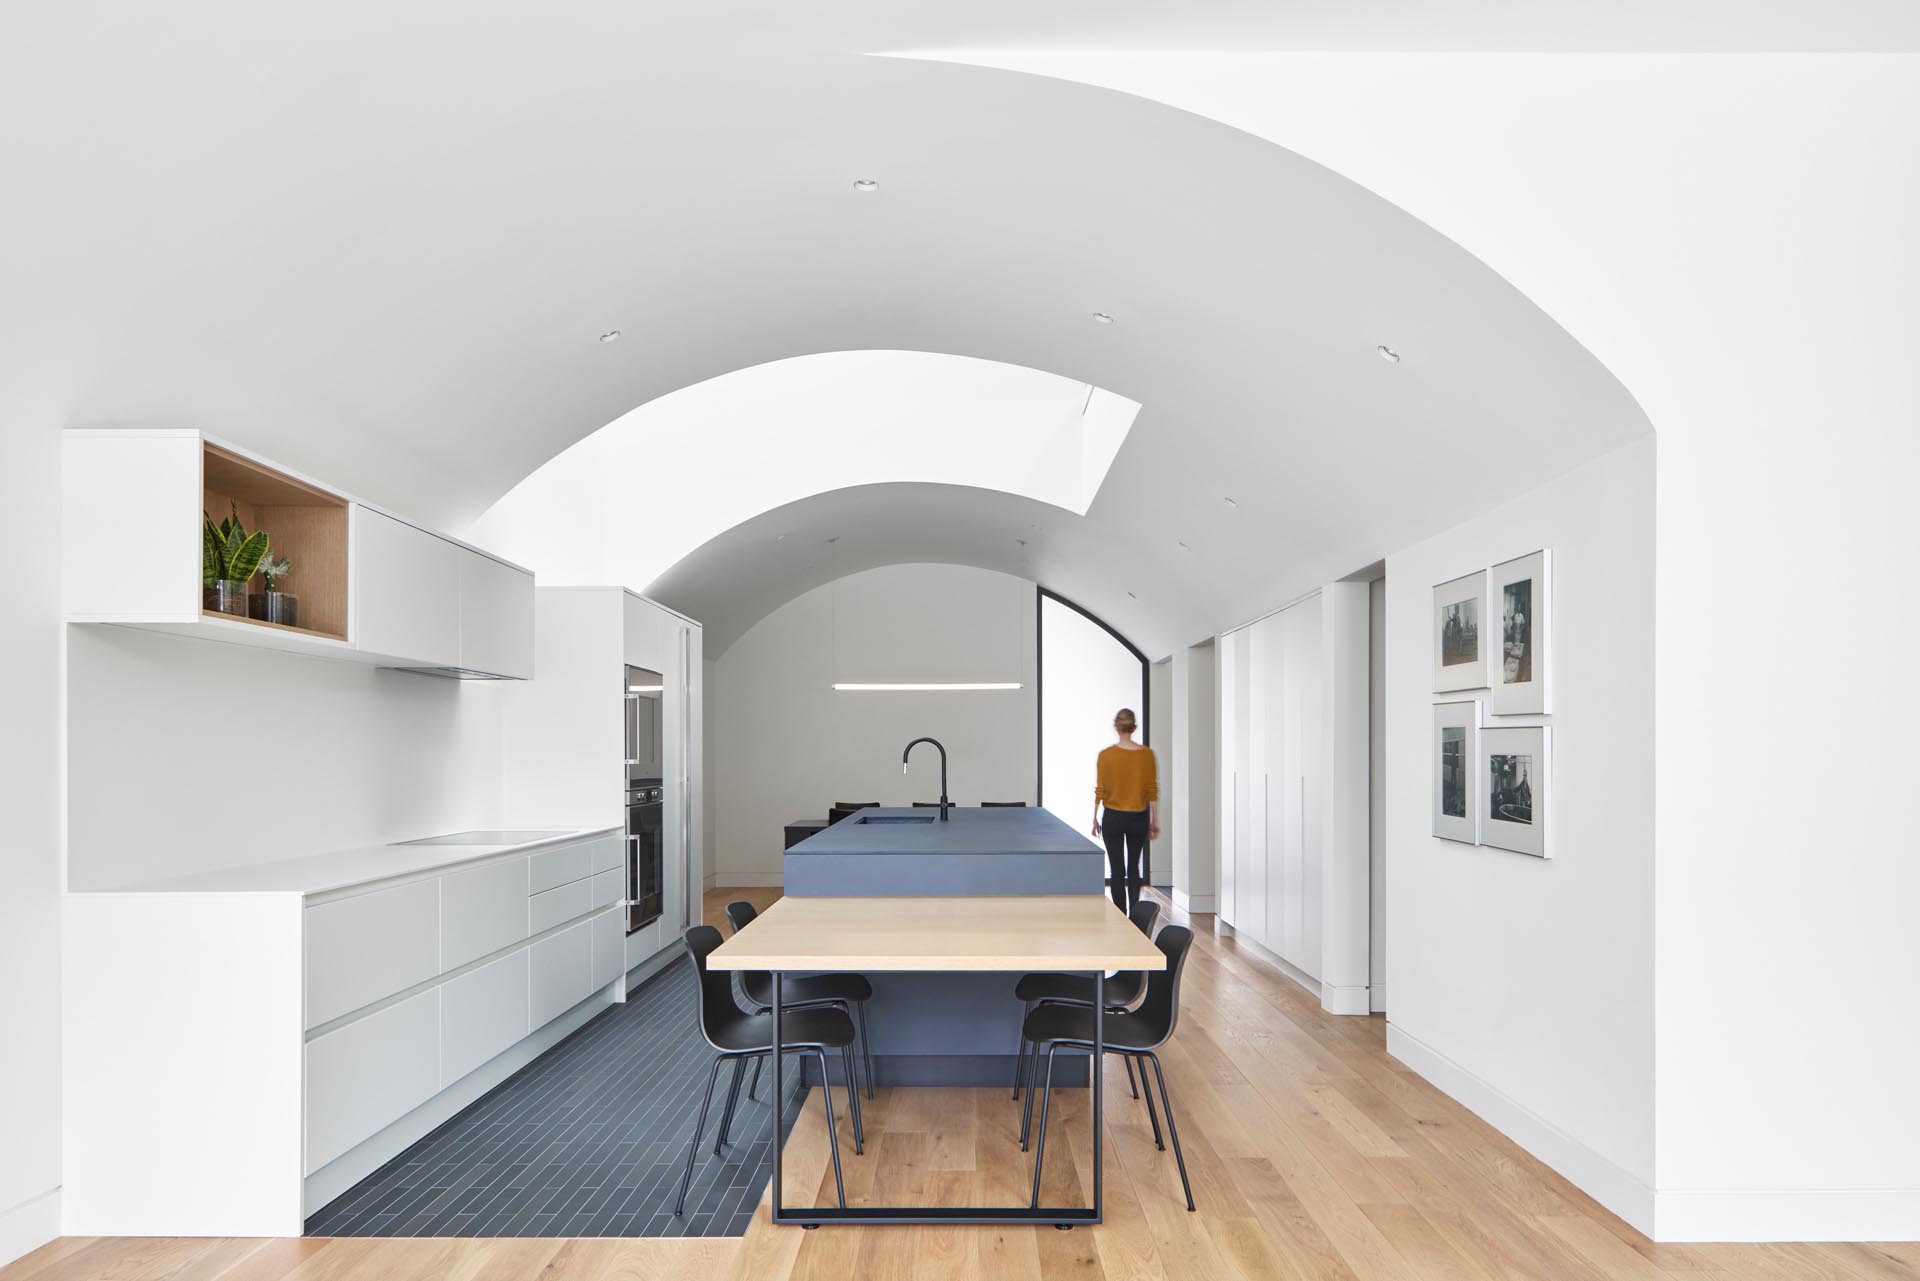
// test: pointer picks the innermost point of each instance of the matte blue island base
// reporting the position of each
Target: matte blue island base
(948, 1029)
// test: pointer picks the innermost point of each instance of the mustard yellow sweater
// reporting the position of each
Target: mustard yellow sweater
(1127, 778)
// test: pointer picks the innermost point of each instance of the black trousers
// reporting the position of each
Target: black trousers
(1126, 836)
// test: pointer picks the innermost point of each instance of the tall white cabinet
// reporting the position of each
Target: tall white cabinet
(1276, 767)
(564, 741)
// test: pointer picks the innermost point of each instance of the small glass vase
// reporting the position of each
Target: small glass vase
(274, 607)
(225, 597)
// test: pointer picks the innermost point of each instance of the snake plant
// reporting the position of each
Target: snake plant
(228, 552)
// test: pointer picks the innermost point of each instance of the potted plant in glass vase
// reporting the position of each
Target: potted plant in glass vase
(229, 556)
(274, 605)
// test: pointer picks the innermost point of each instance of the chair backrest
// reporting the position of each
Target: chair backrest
(1160, 1011)
(740, 914)
(715, 987)
(1003, 805)
(845, 809)
(1143, 915)
(926, 805)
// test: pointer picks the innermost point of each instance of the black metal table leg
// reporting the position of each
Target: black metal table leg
(779, 1099)
(1099, 1079)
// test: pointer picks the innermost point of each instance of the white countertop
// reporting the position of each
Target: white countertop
(340, 869)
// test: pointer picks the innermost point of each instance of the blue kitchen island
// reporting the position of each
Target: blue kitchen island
(945, 1028)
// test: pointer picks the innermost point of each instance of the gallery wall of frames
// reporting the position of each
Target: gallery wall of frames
(1493, 702)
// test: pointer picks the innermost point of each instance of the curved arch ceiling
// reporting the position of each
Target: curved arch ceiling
(384, 253)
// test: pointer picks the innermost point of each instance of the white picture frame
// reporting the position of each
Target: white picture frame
(1520, 597)
(1516, 788)
(1461, 636)
(1456, 765)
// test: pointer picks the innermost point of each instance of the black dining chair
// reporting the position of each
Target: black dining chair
(1134, 1035)
(1003, 805)
(1123, 989)
(847, 809)
(737, 1036)
(849, 992)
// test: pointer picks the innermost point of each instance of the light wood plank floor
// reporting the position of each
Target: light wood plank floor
(1313, 1155)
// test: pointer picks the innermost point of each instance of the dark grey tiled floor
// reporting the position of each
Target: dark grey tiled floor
(587, 1140)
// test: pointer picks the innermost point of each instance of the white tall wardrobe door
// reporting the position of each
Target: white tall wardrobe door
(1256, 644)
(1300, 712)
(1229, 779)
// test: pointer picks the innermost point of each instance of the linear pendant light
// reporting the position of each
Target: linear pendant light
(922, 686)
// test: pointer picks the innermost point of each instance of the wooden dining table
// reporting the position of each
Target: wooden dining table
(1070, 933)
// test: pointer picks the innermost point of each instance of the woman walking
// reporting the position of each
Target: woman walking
(1127, 784)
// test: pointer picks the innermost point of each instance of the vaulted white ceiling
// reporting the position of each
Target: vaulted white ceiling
(382, 249)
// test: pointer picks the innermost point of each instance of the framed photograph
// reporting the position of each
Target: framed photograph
(1520, 592)
(1456, 757)
(1460, 638)
(1516, 773)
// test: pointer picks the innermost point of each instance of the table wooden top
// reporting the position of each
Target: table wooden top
(1044, 932)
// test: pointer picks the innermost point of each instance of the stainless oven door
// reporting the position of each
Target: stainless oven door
(646, 862)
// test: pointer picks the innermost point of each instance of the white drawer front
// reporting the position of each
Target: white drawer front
(544, 911)
(605, 853)
(482, 1013)
(548, 868)
(482, 910)
(370, 1073)
(370, 946)
(606, 888)
(559, 975)
(609, 931)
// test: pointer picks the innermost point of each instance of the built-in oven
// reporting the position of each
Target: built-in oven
(646, 798)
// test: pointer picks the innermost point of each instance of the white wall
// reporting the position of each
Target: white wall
(1377, 794)
(187, 755)
(30, 839)
(1524, 986)
(786, 745)
(1163, 711)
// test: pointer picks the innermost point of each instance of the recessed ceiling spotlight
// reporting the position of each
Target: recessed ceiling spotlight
(1183, 547)
(1131, 596)
(865, 184)
(1388, 354)
(1102, 318)
(1021, 541)
(1229, 502)
(612, 335)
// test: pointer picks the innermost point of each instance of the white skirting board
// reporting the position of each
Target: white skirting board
(1202, 903)
(1620, 1191)
(1811, 1214)
(1334, 1000)
(29, 1225)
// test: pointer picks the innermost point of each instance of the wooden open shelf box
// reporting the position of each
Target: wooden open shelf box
(303, 523)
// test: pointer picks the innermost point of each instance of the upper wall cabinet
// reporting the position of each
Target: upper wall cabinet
(311, 570)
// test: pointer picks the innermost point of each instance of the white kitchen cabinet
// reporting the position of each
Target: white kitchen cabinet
(548, 868)
(606, 888)
(558, 906)
(406, 591)
(369, 946)
(606, 853)
(372, 1071)
(483, 1013)
(607, 947)
(496, 616)
(560, 974)
(482, 909)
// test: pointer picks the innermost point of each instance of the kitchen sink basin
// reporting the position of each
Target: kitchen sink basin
(874, 820)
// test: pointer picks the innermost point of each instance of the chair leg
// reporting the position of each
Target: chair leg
(833, 1135)
(853, 1099)
(866, 1048)
(1128, 1060)
(1151, 1115)
(1020, 1049)
(693, 1146)
(733, 1099)
(1173, 1131)
(1046, 1101)
(1026, 1112)
(756, 1080)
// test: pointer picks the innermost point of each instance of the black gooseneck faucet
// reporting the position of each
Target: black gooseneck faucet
(945, 804)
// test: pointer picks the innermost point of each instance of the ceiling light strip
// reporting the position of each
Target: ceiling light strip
(922, 686)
